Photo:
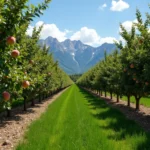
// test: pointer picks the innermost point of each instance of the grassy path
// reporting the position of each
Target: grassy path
(79, 121)
(145, 101)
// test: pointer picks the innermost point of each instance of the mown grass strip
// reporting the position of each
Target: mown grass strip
(79, 121)
(145, 101)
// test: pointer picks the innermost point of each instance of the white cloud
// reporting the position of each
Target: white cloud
(119, 6)
(85, 35)
(49, 30)
(128, 25)
(29, 30)
(107, 40)
(91, 37)
(102, 6)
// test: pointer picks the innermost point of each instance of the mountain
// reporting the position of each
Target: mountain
(74, 57)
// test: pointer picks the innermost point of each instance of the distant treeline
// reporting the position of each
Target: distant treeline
(75, 77)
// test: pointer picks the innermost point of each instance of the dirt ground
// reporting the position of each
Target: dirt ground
(13, 128)
(142, 117)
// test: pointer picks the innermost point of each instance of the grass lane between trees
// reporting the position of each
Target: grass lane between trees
(79, 121)
(145, 101)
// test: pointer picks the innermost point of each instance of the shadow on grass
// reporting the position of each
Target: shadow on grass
(116, 121)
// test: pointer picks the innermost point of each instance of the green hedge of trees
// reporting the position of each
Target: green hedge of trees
(27, 71)
(127, 70)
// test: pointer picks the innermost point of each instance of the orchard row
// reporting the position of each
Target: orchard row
(127, 70)
(27, 70)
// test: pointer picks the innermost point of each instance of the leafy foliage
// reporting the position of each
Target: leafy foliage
(128, 72)
(31, 63)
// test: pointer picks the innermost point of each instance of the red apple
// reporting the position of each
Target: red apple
(134, 79)
(132, 66)
(146, 83)
(6, 95)
(25, 84)
(15, 53)
(140, 41)
(31, 61)
(11, 40)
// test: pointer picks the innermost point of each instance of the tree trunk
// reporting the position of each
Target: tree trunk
(128, 104)
(40, 98)
(101, 93)
(117, 98)
(137, 103)
(43, 97)
(105, 94)
(111, 95)
(32, 102)
(25, 104)
(8, 112)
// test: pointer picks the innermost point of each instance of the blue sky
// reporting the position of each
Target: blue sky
(92, 22)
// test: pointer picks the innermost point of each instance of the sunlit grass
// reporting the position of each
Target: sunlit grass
(143, 101)
(79, 121)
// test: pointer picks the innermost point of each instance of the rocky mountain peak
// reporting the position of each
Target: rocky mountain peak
(74, 56)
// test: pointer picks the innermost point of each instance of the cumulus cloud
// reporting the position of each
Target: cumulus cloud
(128, 25)
(49, 30)
(91, 37)
(119, 5)
(29, 30)
(102, 6)
(107, 40)
(85, 35)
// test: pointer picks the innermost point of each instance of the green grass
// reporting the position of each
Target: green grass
(79, 121)
(143, 101)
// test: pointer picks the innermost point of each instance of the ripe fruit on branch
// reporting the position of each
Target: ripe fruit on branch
(25, 84)
(6, 95)
(132, 66)
(31, 62)
(15, 53)
(134, 79)
(146, 83)
(140, 41)
(11, 40)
